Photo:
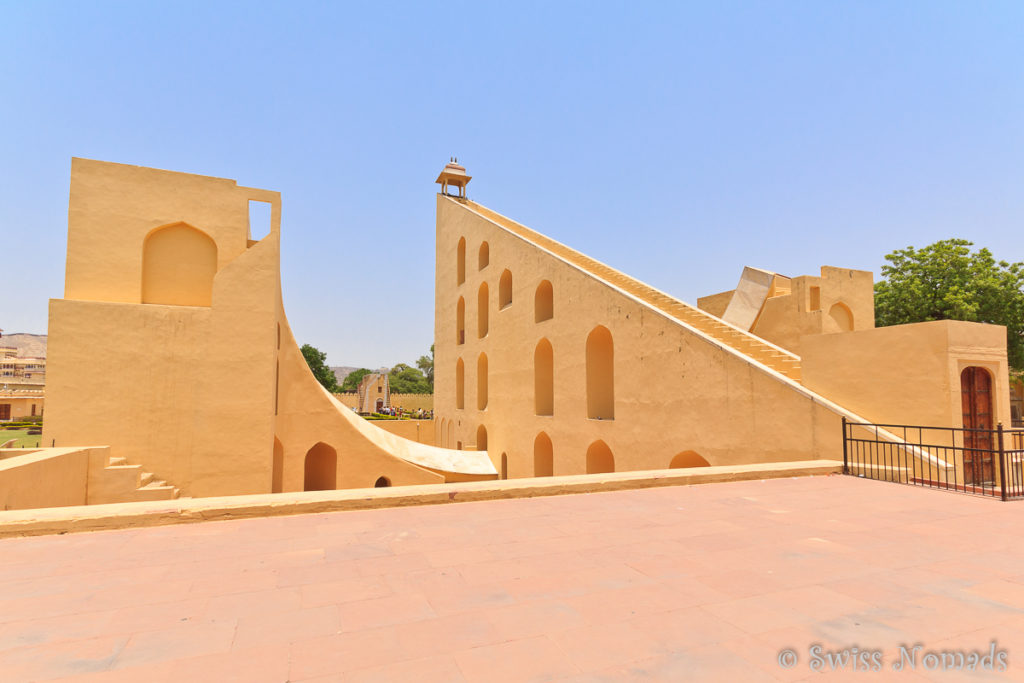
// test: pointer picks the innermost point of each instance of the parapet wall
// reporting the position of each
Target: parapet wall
(407, 401)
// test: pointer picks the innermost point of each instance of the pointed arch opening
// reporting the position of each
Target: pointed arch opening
(599, 458)
(484, 257)
(544, 378)
(600, 374)
(842, 315)
(481, 381)
(482, 311)
(460, 321)
(460, 258)
(481, 438)
(543, 302)
(543, 456)
(179, 263)
(505, 289)
(460, 384)
(382, 483)
(321, 468)
(504, 465)
(688, 459)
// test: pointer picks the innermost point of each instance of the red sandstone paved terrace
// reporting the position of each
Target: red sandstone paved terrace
(682, 583)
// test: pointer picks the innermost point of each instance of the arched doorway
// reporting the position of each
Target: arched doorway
(599, 458)
(321, 468)
(380, 405)
(976, 402)
(688, 459)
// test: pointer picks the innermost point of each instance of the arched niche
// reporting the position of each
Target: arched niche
(321, 468)
(482, 311)
(543, 379)
(543, 456)
(277, 468)
(484, 256)
(688, 459)
(460, 384)
(460, 258)
(481, 438)
(481, 381)
(179, 263)
(505, 289)
(600, 374)
(600, 458)
(460, 321)
(543, 302)
(842, 315)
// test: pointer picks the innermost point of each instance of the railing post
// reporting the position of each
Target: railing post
(1002, 466)
(846, 462)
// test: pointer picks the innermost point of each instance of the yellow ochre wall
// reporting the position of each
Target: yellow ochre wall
(908, 374)
(675, 390)
(215, 400)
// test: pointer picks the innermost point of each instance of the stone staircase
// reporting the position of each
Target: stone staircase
(121, 482)
(752, 346)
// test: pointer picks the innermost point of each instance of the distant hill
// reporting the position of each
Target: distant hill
(28, 345)
(343, 371)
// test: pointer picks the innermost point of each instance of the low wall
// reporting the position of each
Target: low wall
(421, 431)
(51, 477)
(191, 510)
(408, 401)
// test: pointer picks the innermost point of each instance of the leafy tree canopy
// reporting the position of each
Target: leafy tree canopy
(406, 380)
(317, 361)
(947, 281)
(351, 383)
(426, 366)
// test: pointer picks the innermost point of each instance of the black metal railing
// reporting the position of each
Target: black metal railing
(986, 462)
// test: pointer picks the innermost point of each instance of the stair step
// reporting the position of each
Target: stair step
(117, 460)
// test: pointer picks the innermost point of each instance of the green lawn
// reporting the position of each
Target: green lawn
(23, 439)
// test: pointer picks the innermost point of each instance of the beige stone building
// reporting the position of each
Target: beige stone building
(174, 307)
(373, 394)
(21, 372)
(555, 363)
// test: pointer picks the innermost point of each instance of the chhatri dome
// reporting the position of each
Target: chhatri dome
(454, 174)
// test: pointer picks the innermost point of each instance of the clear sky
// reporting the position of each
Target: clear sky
(677, 142)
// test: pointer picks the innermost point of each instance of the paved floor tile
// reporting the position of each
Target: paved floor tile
(682, 583)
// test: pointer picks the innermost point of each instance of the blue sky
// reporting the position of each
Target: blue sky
(677, 142)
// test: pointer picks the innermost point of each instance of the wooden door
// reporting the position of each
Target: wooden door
(5, 411)
(976, 401)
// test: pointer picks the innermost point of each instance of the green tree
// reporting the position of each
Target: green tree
(426, 366)
(406, 380)
(351, 383)
(316, 360)
(947, 281)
